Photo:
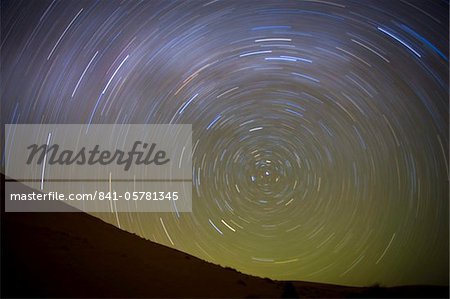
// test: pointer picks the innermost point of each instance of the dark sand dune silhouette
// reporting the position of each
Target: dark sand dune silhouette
(78, 255)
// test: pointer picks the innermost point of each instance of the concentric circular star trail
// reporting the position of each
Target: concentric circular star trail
(320, 128)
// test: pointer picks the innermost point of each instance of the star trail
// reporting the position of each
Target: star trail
(320, 128)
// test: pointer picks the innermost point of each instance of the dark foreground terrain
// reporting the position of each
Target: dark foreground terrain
(78, 255)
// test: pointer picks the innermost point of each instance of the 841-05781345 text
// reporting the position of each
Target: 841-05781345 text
(99, 195)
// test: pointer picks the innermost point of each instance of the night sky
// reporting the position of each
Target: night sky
(320, 128)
